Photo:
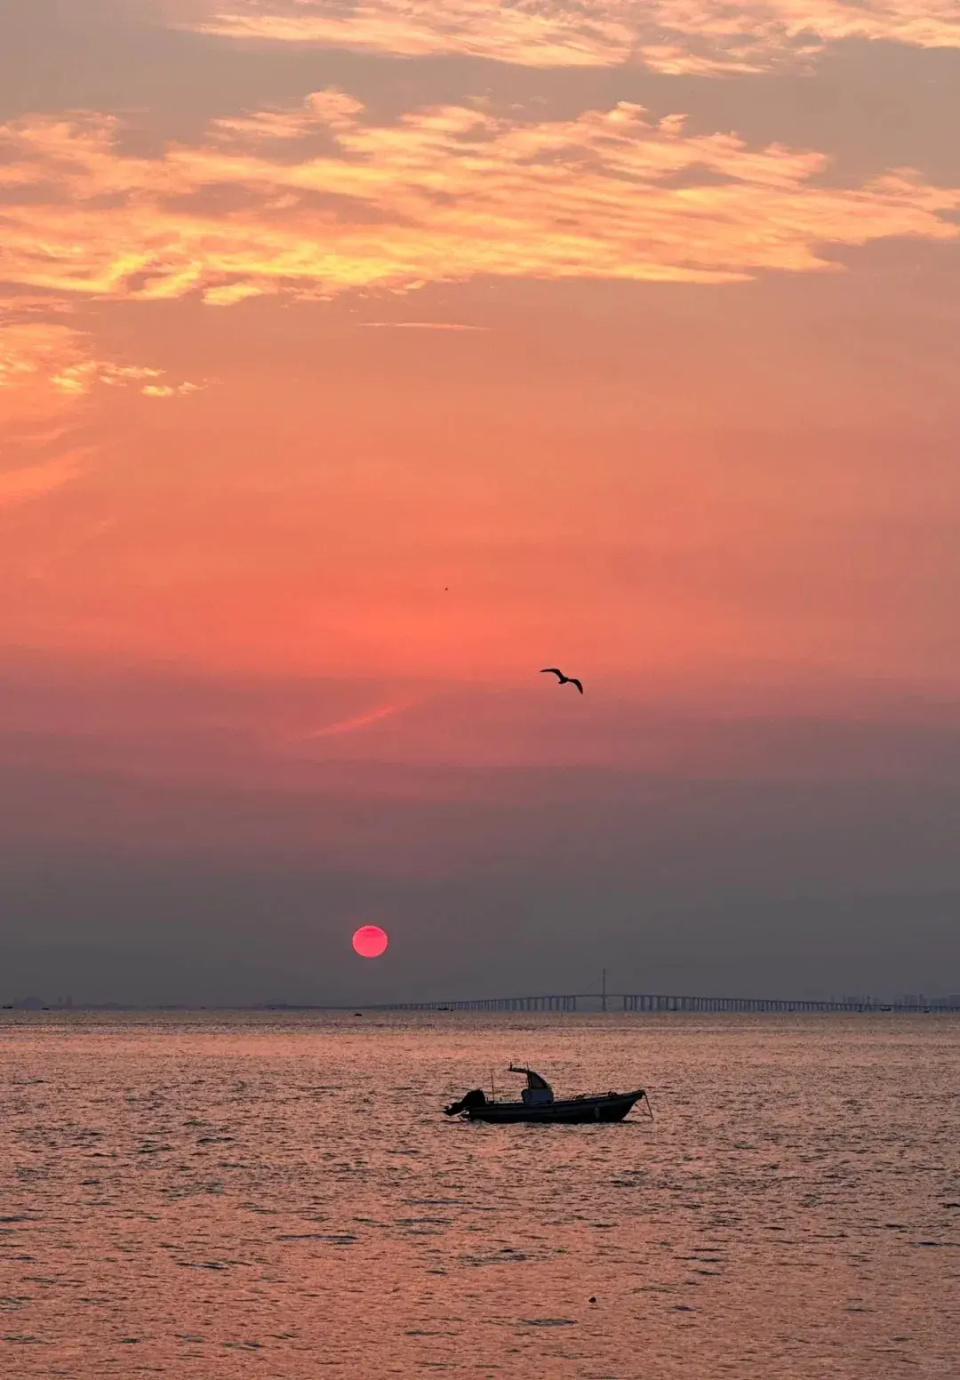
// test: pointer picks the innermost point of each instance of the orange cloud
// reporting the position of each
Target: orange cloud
(46, 366)
(674, 36)
(357, 722)
(32, 355)
(46, 369)
(318, 200)
(36, 481)
(538, 33)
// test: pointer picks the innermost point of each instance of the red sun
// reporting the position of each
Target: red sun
(370, 941)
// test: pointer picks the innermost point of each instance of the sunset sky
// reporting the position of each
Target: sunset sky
(359, 358)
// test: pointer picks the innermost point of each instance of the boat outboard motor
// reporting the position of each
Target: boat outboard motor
(475, 1098)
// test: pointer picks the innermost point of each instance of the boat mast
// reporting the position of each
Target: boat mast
(603, 989)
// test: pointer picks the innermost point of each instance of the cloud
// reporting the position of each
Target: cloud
(323, 200)
(36, 481)
(169, 390)
(422, 326)
(674, 36)
(80, 378)
(46, 366)
(31, 353)
(356, 722)
(539, 33)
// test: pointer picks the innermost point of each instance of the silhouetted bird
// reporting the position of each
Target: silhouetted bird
(563, 680)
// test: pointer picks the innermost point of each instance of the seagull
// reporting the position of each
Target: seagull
(563, 680)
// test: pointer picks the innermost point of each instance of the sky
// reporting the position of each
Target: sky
(359, 358)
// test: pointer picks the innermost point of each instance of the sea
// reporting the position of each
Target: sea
(213, 1196)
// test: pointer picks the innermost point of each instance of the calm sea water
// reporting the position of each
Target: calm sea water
(238, 1196)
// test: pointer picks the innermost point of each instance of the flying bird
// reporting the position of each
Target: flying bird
(562, 679)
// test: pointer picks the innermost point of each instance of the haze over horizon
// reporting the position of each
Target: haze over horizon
(359, 360)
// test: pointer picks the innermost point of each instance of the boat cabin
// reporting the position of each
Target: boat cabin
(538, 1091)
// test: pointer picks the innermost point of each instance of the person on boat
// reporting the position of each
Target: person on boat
(538, 1091)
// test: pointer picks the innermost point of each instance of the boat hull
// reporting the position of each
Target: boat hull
(575, 1111)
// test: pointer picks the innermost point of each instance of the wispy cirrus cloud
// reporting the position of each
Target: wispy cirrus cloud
(673, 36)
(36, 481)
(319, 199)
(35, 353)
(455, 326)
(47, 368)
(355, 723)
(46, 365)
(539, 33)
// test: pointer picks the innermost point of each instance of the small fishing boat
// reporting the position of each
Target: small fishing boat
(537, 1103)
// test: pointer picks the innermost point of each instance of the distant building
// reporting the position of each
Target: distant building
(29, 1004)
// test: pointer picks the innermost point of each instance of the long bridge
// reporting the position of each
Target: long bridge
(662, 1002)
